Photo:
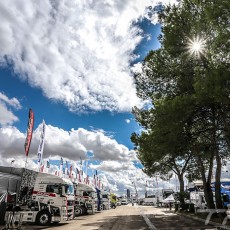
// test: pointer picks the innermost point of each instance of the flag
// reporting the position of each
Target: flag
(66, 169)
(42, 168)
(87, 179)
(61, 168)
(41, 145)
(67, 164)
(30, 127)
(79, 176)
(94, 180)
(71, 171)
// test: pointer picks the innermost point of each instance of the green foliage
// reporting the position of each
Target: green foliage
(190, 113)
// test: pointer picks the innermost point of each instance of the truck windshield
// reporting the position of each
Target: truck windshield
(69, 190)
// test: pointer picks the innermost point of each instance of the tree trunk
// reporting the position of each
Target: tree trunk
(219, 203)
(208, 194)
(181, 182)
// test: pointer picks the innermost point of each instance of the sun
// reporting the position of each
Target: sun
(196, 46)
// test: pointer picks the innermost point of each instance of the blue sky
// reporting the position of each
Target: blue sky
(75, 72)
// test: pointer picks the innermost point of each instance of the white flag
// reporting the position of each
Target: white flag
(41, 145)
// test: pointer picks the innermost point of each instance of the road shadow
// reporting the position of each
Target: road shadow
(33, 226)
(121, 222)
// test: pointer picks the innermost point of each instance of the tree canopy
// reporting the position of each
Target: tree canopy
(186, 81)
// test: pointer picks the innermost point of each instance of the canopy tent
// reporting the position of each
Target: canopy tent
(169, 199)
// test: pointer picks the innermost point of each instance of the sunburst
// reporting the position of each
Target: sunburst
(196, 46)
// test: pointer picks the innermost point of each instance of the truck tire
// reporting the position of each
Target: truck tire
(77, 212)
(43, 218)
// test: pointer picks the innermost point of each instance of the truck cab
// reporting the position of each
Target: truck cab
(105, 200)
(85, 199)
(44, 198)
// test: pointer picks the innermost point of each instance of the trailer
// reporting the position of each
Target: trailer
(36, 197)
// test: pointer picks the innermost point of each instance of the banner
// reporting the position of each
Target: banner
(30, 127)
(41, 145)
(61, 168)
(70, 171)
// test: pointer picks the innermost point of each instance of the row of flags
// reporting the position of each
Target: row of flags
(68, 172)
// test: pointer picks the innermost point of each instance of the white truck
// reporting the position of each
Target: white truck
(85, 199)
(197, 198)
(38, 197)
(105, 200)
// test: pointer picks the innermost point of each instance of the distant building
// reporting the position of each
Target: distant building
(128, 194)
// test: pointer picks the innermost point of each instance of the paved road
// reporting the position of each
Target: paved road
(129, 217)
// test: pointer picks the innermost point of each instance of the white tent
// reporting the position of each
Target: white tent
(169, 199)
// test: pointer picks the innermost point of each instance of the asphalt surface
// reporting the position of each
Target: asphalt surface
(127, 217)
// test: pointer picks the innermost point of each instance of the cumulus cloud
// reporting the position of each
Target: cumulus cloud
(72, 145)
(6, 116)
(118, 177)
(116, 168)
(76, 52)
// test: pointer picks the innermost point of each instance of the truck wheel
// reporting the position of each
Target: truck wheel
(78, 212)
(43, 218)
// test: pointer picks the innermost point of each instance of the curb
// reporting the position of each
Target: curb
(218, 226)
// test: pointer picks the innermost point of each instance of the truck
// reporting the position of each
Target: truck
(38, 197)
(105, 200)
(85, 199)
(113, 200)
(197, 193)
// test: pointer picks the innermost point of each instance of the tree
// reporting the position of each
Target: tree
(189, 91)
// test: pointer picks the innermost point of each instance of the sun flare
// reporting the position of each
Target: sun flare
(196, 46)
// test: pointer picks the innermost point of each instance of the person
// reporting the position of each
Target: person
(170, 206)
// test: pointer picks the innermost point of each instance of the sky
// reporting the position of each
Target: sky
(72, 63)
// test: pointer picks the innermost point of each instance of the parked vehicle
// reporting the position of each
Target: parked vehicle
(105, 200)
(85, 199)
(40, 197)
(124, 202)
(118, 203)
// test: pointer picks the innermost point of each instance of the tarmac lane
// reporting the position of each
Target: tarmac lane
(165, 219)
(128, 217)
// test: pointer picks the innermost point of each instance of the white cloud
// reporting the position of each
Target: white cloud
(127, 121)
(6, 116)
(72, 144)
(76, 52)
(116, 168)
(118, 177)
(11, 102)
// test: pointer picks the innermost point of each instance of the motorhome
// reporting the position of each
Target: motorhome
(42, 198)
